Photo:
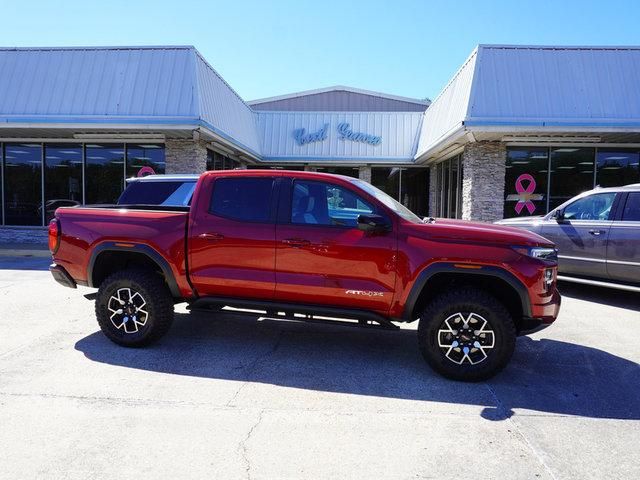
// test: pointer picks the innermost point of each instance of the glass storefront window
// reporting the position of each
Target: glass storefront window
(275, 167)
(415, 190)
(218, 161)
(527, 171)
(144, 159)
(387, 180)
(572, 172)
(22, 184)
(448, 179)
(104, 173)
(346, 171)
(62, 177)
(618, 167)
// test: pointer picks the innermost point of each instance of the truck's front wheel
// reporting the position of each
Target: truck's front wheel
(134, 307)
(466, 334)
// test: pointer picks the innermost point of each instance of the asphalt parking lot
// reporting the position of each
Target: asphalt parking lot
(228, 396)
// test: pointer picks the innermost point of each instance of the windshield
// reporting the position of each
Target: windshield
(388, 201)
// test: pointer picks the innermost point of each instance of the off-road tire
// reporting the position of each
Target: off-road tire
(466, 300)
(158, 305)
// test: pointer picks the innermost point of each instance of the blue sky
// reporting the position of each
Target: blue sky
(265, 48)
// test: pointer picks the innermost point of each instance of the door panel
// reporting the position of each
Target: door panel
(581, 237)
(323, 258)
(235, 257)
(623, 248)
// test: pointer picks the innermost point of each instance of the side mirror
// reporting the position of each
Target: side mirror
(558, 215)
(373, 223)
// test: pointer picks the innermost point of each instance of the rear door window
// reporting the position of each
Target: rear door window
(245, 199)
(631, 212)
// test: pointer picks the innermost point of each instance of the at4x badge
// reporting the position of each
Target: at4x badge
(364, 293)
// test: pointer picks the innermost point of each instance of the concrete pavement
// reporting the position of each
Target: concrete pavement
(228, 396)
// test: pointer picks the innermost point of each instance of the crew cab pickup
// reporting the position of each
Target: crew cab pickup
(309, 246)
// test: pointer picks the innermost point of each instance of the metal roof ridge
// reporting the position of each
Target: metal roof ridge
(331, 112)
(215, 72)
(122, 47)
(473, 54)
(337, 88)
(557, 47)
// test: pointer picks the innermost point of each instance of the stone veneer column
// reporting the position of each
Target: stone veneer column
(364, 173)
(433, 191)
(483, 165)
(185, 156)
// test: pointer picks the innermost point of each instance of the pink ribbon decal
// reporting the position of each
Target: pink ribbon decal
(525, 194)
(146, 170)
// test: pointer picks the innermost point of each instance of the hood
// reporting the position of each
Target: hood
(478, 232)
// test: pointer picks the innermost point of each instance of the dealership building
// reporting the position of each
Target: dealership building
(516, 131)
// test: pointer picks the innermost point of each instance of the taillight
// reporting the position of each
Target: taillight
(54, 235)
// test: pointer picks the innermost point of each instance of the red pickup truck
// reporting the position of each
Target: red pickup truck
(311, 246)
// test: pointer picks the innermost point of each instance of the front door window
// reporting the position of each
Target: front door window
(593, 207)
(317, 203)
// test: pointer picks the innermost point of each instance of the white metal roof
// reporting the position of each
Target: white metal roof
(447, 112)
(499, 88)
(161, 86)
(593, 86)
(537, 89)
(339, 88)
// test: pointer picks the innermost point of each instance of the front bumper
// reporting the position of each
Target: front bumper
(61, 276)
(546, 315)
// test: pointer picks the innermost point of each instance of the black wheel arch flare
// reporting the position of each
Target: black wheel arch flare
(142, 249)
(450, 268)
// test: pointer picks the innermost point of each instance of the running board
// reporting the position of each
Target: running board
(310, 312)
(598, 283)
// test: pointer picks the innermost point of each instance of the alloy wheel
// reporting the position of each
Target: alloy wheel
(466, 337)
(127, 310)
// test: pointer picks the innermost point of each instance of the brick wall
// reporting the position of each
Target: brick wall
(483, 181)
(185, 156)
(433, 184)
(364, 173)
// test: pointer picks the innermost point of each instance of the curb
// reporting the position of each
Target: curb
(19, 252)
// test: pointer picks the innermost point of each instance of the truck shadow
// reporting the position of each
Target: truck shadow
(544, 375)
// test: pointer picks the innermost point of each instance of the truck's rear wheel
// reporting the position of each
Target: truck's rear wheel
(134, 308)
(466, 334)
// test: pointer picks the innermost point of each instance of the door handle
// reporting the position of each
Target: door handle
(212, 237)
(296, 242)
(596, 232)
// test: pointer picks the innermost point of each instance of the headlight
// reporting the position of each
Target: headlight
(543, 253)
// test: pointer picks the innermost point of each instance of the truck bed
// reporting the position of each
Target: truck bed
(86, 228)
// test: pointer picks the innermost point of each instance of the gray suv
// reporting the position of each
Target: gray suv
(597, 235)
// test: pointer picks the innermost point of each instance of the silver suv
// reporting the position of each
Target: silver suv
(597, 234)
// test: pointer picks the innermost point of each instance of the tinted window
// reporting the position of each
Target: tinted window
(158, 193)
(593, 207)
(572, 173)
(631, 211)
(618, 167)
(144, 159)
(246, 199)
(104, 173)
(62, 177)
(525, 179)
(317, 203)
(217, 161)
(22, 184)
